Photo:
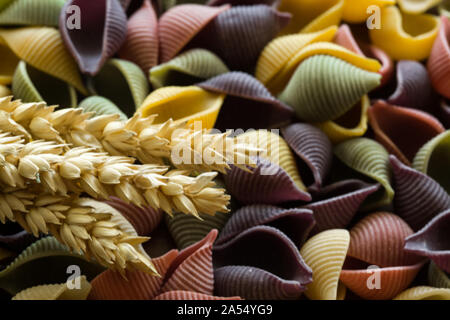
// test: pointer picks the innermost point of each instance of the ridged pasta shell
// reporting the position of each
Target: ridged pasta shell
(240, 34)
(437, 278)
(56, 292)
(4, 91)
(183, 104)
(424, 293)
(188, 68)
(143, 219)
(433, 158)
(334, 206)
(45, 261)
(439, 62)
(369, 158)
(5, 3)
(138, 285)
(180, 24)
(8, 64)
(416, 7)
(248, 104)
(403, 36)
(281, 49)
(432, 241)
(379, 239)
(141, 45)
(402, 131)
(324, 88)
(310, 15)
(295, 223)
(283, 77)
(325, 254)
(187, 230)
(356, 11)
(288, 279)
(189, 295)
(43, 48)
(351, 124)
(344, 36)
(418, 198)
(123, 83)
(103, 31)
(101, 106)
(32, 85)
(313, 147)
(392, 281)
(30, 12)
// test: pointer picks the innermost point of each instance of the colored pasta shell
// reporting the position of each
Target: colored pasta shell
(123, 83)
(405, 37)
(313, 147)
(45, 261)
(43, 48)
(104, 31)
(187, 230)
(444, 113)
(295, 223)
(269, 280)
(16, 241)
(334, 206)
(345, 84)
(281, 49)
(180, 24)
(432, 241)
(356, 11)
(183, 104)
(29, 12)
(101, 106)
(424, 293)
(188, 68)
(141, 44)
(56, 292)
(371, 160)
(309, 16)
(344, 36)
(391, 280)
(402, 131)
(248, 104)
(415, 7)
(436, 277)
(418, 198)
(241, 2)
(4, 91)
(32, 85)
(240, 34)
(325, 254)
(433, 157)
(439, 62)
(189, 295)
(144, 220)
(8, 64)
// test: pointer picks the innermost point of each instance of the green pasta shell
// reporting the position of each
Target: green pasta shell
(45, 261)
(188, 68)
(436, 277)
(32, 85)
(324, 88)
(101, 106)
(433, 159)
(122, 82)
(4, 3)
(368, 158)
(31, 12)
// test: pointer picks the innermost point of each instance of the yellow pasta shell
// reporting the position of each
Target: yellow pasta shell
(56, 292)
(324, 48)
(325, 253)
(424, 293)
(183, 104)
(280, 50)
(311, 15)
(43, 48)
(337, 131)
(404, 36)
(8, 64)
(416, 7)
(4, 91)
(355, 11)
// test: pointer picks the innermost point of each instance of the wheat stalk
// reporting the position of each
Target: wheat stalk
(84, 225)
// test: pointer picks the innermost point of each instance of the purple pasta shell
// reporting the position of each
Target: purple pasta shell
(13, 237)
(248, 103)
(418, 198)
(295, 223)
(102, 32)
(432, 241)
